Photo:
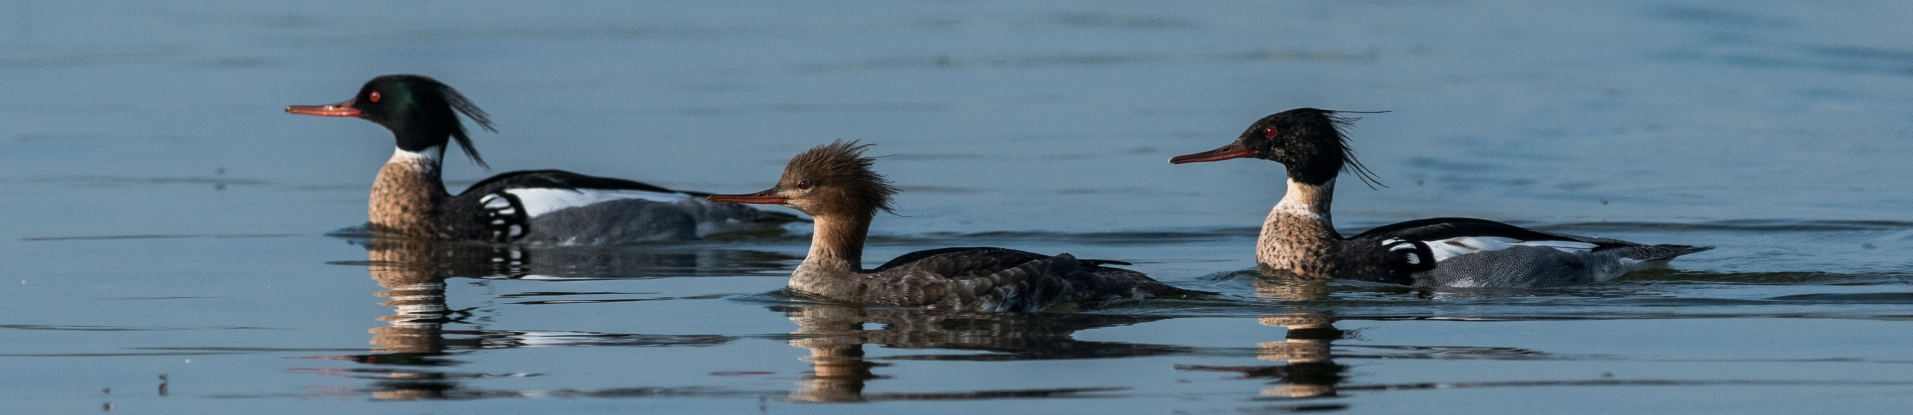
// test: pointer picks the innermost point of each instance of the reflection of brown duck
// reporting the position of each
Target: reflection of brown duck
(1309, 370)
(835, 336)
(417, 294)
(414, 339)
(414, 280)
(414, 271)
(838, 368)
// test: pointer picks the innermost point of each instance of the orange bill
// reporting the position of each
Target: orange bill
(767, 197)
(1231, 151)
(343, 109)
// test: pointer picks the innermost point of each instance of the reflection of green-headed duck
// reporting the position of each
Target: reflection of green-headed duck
(537, 206)
(835, 185)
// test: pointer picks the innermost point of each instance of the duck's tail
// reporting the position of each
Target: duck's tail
(1663, 253)
(1645, 257)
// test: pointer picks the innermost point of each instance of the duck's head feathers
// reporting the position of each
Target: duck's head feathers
(1310, 141)
(421, 112)
(834, 179)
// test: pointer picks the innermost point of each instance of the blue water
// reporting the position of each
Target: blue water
(171, 248)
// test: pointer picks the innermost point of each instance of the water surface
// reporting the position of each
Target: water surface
(170, 232)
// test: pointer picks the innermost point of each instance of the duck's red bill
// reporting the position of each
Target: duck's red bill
(343, 109)
(767, 197)
(1231, 151)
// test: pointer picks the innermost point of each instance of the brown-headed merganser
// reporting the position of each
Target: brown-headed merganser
(835, 185)
(536, 206)
(1298, 236)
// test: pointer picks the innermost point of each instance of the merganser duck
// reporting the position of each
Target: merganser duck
(1298, 236)
(535, 206)
(834, 184)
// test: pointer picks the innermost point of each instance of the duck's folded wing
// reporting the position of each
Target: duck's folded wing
(546, 191)
(981, 279)
(959, 261)
(559, 179)
(501, 208)
(1441, 238)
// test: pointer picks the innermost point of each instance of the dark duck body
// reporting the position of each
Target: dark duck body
(537, 206)
(1299, 237)
(835, 185)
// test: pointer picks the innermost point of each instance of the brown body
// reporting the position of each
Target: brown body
(836, 186)
(406, 196)
(1298, 236)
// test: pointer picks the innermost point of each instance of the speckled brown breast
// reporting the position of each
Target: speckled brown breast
(405, 198)
(1297, 244)
(1298, 236)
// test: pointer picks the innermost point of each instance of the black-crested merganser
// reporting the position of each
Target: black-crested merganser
(835, 185)
(1298, 236)
(534, 206)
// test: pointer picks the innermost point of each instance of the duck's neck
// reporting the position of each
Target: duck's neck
(1298, 234)
(836, 250)
(407, 193)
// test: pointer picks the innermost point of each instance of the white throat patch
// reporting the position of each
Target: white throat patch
(420, 160)
(1299, 196)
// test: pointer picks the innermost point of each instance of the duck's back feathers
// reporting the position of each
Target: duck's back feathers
(994, 279)
(560, 207)
(1463, 252)
(557, 179)
(1434, 229)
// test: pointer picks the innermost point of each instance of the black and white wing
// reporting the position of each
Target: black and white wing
(1461, 252)
(504, 207)
(1420, 241)
(546, 191)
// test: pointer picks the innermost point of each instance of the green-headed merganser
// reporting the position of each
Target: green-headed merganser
(1298, 236)
(536, 206)
(835, 185)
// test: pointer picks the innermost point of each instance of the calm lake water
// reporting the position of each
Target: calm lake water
(170, 240)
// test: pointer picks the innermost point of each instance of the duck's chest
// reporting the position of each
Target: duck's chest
(405, 200)
(1302, 244)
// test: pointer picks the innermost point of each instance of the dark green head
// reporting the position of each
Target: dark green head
(421, 112)
(1308, 141)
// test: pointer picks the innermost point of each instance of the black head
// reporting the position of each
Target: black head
(1309, 141)
(421, 112)
(834, 179)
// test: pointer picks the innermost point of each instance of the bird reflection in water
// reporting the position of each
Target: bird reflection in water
(1309, 369)
(414, 339)
(413, 274)
(835, 336)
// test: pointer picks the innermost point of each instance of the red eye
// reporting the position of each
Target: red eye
(803, 185)
(374, 97)
(1268, 134)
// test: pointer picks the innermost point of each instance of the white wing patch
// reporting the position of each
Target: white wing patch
(1454, 247)
(539, 201)
(1396, 245)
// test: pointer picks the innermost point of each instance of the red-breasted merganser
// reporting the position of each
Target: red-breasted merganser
(835, 185)
(1298, 236)
(535, 206)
